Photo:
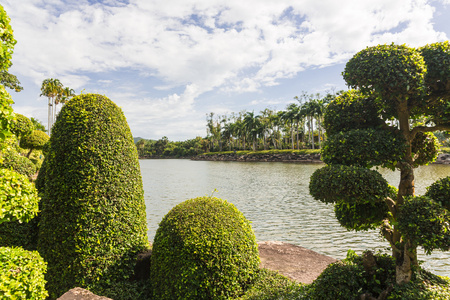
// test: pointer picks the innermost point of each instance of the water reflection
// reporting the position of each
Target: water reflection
(275, 197)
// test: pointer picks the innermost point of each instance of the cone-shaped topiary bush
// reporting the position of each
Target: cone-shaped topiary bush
(93, 219)
(204, 248)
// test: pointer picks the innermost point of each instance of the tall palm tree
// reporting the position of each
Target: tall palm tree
(51, 88)
(252, 124)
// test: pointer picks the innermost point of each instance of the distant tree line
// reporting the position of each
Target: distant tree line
(299, 126)
(165, 148)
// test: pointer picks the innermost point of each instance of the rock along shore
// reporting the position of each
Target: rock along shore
(255, 157)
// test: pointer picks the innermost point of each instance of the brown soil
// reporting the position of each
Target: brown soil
(298, 263)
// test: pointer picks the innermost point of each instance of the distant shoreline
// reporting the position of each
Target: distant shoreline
(289, 157)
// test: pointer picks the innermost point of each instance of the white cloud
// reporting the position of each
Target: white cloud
(201, 45)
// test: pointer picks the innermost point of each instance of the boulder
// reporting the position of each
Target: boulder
(81, 294)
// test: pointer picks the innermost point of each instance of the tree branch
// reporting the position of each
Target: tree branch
(391, 205)
(428, 129)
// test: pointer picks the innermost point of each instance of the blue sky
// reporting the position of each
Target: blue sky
(167, 63)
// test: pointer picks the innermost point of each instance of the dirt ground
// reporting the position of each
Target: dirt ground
(295, 262)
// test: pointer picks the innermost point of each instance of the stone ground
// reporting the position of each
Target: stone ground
(295, 262)
(298, 263)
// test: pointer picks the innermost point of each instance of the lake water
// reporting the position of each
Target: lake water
(275, 198)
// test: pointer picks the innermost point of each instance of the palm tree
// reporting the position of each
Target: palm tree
(252, 126)
(51, 88)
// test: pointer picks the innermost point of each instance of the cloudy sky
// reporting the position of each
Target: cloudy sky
(167, 63)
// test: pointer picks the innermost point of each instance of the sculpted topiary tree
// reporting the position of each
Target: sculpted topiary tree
(36, 140)
(93, 220)
(402, 96)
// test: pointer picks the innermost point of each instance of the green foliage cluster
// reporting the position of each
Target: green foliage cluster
(19, 199)
(93, 220)
(351, 110)
(424, 148)
(439, 191)
(364, 148)
(21, 274)
(390, 71)
(22, 126)
(34, 141)
(349, 279)
(426, 222)
(334, 183)
(270, 285)
(19, 163)
(6, 111)
(7, 40)
(437, 79)
(204, 248)
(165, 148)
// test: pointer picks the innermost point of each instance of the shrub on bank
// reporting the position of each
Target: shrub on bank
(21, 274)
(204, 248)
(93, 221)
(19, 163)
(354, 276)
(270, 285)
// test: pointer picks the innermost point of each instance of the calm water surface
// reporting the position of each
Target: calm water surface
(275, 197)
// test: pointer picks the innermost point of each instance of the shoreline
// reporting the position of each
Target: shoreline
(442, 159)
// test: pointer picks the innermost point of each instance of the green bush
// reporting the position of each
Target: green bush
(21, 274)
(348, 279)
(93, 220)
(22, 126)
(439, 191)
(34, 141)
(204, 248)
(425, 222)
(16, 234)
(19, 163)
(335, 183)
(364, 148)
(18, 199)
(270, 285)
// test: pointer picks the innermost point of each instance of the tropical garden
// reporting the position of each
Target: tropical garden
(82, 221)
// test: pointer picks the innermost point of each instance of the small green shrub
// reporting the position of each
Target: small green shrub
(423, 286)
(21, 274)
(204, 248)
(336, 183)
(270, 285)
(18, 199)
(16, 234)
(92, 222)
(426, 223)
(34, 141)
(19, 163)
(348, 279)
(439, 191)
(22, 126)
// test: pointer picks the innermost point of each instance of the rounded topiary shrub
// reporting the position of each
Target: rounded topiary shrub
(21, 126)
(21, 274)
(204, 248)
(18, 163)
(18, 198)
(34, 141)
(93, 221)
